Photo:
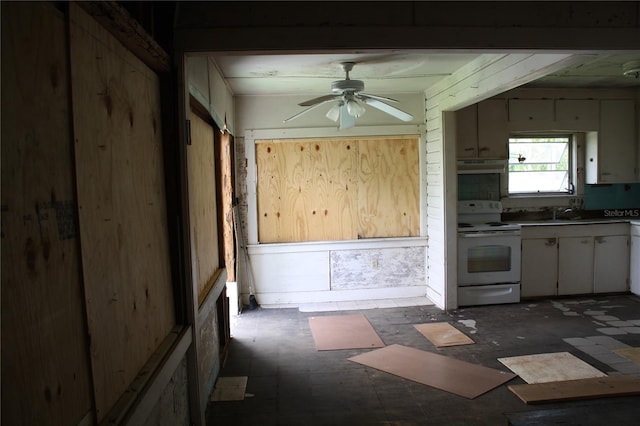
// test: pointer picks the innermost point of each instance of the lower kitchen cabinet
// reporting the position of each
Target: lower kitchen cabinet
(575, 265)
(611, 264)
(539, 267)
(634, 260)
(575, 259)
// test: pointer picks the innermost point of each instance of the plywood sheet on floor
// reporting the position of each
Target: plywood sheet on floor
(550, 367)
(441, 372)
(443, 334)
(344, 332)
(618, 413)
(230, 389)
(568, 390)
(632, 354)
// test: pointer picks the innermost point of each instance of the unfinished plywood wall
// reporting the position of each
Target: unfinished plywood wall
(226, 188)
(337, 188)
(122, 208)
(45, 361)
(203, 206)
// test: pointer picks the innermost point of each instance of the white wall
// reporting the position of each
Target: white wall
(268, 112)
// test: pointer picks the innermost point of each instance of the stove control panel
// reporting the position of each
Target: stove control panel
(479, 206)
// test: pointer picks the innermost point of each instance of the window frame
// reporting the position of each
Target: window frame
(571, 166)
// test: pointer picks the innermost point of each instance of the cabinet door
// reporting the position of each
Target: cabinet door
(467, 132)
(611, 264)
(573, 114)
(616, 142)
(575, 265)
(531, 111)
(493, 135)
(634, 260)
(539, 267)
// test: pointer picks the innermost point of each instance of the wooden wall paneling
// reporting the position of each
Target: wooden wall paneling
(307, 190)
(388, 190)
(227, 185)
(284, 173)
(46, 378)
(203, 205)
(122, 207)
(334, 189)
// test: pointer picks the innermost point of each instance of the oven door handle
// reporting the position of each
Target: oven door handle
(488, 234)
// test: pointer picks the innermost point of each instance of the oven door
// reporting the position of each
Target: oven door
(490, 257)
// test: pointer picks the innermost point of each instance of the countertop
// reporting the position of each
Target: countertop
(565, 222)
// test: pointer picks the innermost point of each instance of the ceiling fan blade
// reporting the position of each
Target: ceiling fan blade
(319, 100)
(391, 110)
(307, 110)
(380, 98)
(347, 120)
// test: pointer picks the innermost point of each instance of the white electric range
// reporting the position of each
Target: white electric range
(488, 255)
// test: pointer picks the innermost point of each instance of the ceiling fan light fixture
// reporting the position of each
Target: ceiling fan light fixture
(334, 113)
(631, 69)
(354, 108)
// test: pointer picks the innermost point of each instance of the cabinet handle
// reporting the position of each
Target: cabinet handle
(599, 240)
(550, 242)
(469, 149)
(483, 148)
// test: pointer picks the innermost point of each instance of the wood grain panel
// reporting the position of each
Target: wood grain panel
(203, 205)
(227, 184)
(122, 208)
(284, 173)
(330, 189)
(45, 357)
(571, 390)
(388, 187)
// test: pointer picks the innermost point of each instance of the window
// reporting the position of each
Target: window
(540, 164)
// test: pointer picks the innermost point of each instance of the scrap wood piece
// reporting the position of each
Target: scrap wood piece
(632, 354)
(569, 390)
(550, 367)
(443, 334)
(438, 371)
(230, 389)
(344, 332)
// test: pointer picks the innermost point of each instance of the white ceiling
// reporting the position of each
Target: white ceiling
(391, 71)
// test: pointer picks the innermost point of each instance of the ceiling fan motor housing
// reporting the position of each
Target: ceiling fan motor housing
(342, 86)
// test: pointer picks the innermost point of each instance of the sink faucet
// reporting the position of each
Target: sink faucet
(561, 211)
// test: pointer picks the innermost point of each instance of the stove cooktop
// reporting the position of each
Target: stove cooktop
(484, 226)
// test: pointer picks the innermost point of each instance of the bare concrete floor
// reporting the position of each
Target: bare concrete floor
(291, 383)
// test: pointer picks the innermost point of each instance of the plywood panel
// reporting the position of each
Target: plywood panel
(205, 252)
(443, 334)
(226, 187)
(388, 188)
(344, 332)
(45, 358)
(441, 372)
(337, 189)
(571, 390)
(122, 208)
(307, 190)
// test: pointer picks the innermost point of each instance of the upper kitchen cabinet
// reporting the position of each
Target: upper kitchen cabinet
(577, 114)
(611, 152)
(531, 114)
(467, 132)
(482, 130)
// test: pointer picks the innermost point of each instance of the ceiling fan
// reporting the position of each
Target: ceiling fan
(350, 96)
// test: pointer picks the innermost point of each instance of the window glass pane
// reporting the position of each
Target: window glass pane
(539, 164)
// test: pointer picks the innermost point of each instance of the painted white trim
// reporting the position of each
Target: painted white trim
(340, 296)
(252, 135)
(319, 246)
